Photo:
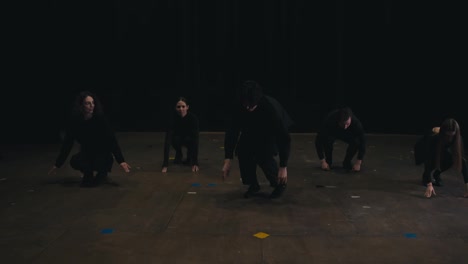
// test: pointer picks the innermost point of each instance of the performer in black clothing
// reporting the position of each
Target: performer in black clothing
(182, 130)
(440, 151)
(341, 124)
(257, 130)
(98, 144)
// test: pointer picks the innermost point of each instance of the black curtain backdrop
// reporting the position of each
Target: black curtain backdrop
(400, 65)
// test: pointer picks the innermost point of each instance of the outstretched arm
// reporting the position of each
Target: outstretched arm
(195, 131)
(319, 148)
(231, 137)
(428, 168)
(166, 149)
(65, 149)
(169, 131)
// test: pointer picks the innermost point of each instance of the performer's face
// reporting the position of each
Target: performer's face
(88, 106)
(345, 124)
(181, 108)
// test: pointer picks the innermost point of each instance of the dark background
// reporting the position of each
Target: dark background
(400, 65)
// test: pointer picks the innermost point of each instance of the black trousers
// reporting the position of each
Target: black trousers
(248, 163)
(351, 150)
(88, 163)
(178, 142)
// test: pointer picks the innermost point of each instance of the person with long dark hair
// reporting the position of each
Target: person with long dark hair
(182, 130)
(440, 151)
(257, 131)
(98, 145)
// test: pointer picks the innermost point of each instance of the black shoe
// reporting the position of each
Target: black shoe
(278, 191)
(100, 179)
(87, 181)
(87, 184)
(438, 182)
(254, 188)
(347, 165)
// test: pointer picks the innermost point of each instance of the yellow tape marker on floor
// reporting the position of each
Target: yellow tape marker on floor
(261, 235)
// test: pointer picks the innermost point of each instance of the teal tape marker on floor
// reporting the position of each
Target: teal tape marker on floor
(211, 184)
(107, 231)
(195, 184)
(410, 235)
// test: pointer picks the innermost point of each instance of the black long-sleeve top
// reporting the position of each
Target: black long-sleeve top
(186, 127)
(430, 153)
(94, 135)
(330, 127)
(263, 131)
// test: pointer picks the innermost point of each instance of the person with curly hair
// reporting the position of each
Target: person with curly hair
(98, 145)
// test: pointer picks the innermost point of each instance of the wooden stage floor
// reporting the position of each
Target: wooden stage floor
(378, 215)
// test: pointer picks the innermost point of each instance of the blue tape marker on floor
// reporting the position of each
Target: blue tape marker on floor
(410, 235)
(107, 231)
(195, 184)
(211, 184)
